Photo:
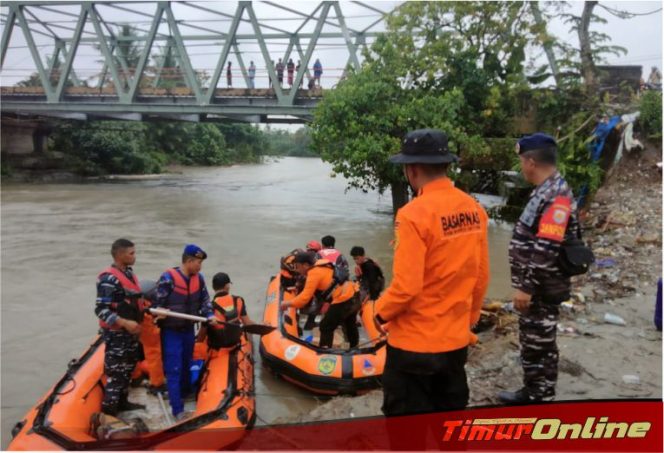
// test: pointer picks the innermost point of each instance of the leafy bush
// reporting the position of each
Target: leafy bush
(651, 113)
(203, 145)
(103, 147)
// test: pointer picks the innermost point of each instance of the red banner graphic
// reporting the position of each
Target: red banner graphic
(572, 426)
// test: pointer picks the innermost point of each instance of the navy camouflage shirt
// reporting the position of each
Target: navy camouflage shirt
(109, 290)
(548, 217)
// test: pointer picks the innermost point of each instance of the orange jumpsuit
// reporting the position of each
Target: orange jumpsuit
(151, 341)
(319, 278)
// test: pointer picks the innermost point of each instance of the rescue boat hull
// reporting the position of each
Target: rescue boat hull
(225, 408)
(332, 371)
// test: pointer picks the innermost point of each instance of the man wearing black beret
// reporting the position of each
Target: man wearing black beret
(540, 285)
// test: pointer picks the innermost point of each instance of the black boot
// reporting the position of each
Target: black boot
(126, 405)
(108, 410)
(152, 390)
(521, 396)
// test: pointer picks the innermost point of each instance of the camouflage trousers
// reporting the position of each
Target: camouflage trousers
(120, 357)
(539, 351)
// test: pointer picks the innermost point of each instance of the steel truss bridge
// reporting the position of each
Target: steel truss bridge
(146, 64)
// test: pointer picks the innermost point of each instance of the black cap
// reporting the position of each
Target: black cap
(306, 257)
(424, 146)
(220, 280)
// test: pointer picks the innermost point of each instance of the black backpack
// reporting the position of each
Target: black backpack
(341, 270)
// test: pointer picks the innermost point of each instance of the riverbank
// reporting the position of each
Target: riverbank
(597, 360)
(50, 169)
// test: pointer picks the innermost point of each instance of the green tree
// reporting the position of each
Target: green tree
(456, 66)
(54, 76)
(171, 75)
(578, 62)
(103, 147)
(127, 51)
(189, 144)
(32, 81)
(302, 143)
(361, 123)
(651, 114)
(205, 145)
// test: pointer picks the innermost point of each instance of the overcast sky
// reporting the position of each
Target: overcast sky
(641, 36)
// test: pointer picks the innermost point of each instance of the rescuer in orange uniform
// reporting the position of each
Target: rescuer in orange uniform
(151, 340)
(440, 276)
(320, 283)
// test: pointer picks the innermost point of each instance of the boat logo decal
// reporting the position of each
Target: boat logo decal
(327, 364)
(368, 369)
(292, 351)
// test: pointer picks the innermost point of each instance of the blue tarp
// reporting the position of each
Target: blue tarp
(601, 132)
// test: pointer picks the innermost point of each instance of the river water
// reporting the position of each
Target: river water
(56, 238)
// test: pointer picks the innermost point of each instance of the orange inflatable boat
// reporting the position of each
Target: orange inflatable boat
(333, 371)
(224, 408)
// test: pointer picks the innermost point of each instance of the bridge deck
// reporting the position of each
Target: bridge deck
(316, 93)
(252, 105)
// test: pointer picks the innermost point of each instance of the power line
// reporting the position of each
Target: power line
(626, 14)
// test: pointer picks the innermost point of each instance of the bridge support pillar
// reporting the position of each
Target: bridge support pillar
(22, 137)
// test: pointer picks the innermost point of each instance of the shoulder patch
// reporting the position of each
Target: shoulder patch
(554, 220)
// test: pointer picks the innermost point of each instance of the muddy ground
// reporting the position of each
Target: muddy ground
(598, 360)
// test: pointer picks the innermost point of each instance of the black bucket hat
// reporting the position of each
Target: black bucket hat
(424, 146)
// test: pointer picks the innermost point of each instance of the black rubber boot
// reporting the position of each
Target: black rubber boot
(152, 390)
(521, 396)
(126, 405)
(112, 411)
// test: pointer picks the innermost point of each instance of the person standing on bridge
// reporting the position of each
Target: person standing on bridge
(654, 79)
(297, 69)
(120, 314)
(252, 75)
(229, 76)
(280, 72)
(290, 68)
(318, 71)
(440, 276)
(268, 73)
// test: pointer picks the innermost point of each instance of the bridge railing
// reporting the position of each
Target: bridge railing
(130, 83)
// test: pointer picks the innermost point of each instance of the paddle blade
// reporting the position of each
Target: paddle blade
(258, 329)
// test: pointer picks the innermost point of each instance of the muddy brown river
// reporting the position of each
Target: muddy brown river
(56, 238)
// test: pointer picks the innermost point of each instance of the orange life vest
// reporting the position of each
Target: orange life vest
(131, 308)
(228, 310)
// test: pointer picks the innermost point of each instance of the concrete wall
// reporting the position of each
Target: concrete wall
(21, 137)
(17, 136)
(611, 77)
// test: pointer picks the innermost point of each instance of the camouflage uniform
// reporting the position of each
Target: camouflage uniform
(121, 352)
(533, 254)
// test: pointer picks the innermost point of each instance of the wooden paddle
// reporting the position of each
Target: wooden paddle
(257, 329)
